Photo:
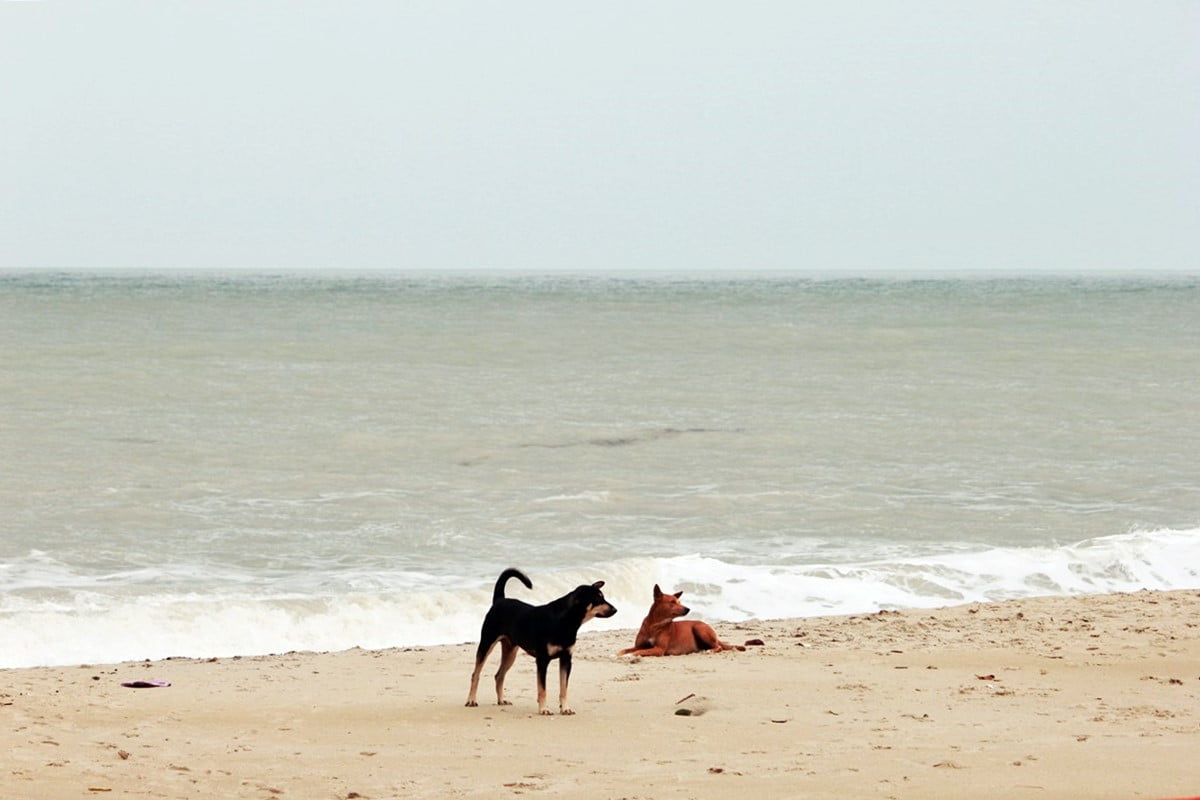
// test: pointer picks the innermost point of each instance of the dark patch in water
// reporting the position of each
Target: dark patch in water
(623, 441)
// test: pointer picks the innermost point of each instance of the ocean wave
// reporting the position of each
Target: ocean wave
(109, 622)
(1159, 559)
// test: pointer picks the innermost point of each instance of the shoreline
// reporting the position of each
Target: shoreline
(1092, 696)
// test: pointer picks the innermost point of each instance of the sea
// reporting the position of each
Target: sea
(210, 464)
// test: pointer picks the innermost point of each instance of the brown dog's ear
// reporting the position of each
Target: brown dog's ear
(679, 594)
(657, 592)
(598, 584)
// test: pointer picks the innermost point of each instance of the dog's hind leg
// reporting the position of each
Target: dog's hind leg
(543, 665)
(508, 656)
(485, 648)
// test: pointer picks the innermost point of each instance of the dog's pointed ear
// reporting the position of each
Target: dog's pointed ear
(657, 592)
(598, 585)
(679, 594)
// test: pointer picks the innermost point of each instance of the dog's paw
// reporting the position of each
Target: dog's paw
(566, 712)
(545, 712)
(472, 704)
(503, 703)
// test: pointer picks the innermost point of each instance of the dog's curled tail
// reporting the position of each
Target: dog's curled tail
(498, 593)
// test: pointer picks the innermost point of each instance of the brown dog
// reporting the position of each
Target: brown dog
(660, 635)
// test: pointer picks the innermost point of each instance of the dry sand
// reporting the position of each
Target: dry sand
(1095, 697)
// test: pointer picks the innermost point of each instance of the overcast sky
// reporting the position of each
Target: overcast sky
(604, 135)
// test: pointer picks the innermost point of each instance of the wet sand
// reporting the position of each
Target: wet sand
(1085, 697)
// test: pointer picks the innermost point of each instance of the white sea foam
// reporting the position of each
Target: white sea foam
(92, 626)
(1163, 559)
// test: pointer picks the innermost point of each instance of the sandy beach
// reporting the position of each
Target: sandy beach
(1084, 697)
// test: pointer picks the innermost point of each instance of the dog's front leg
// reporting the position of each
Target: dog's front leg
(564, 675)
(644, 651)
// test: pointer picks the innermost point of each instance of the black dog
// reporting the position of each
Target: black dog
(545, 632)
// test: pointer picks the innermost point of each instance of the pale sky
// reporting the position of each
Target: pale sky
(1046, 135)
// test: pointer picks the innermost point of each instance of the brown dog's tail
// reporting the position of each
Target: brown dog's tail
(498, 592)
